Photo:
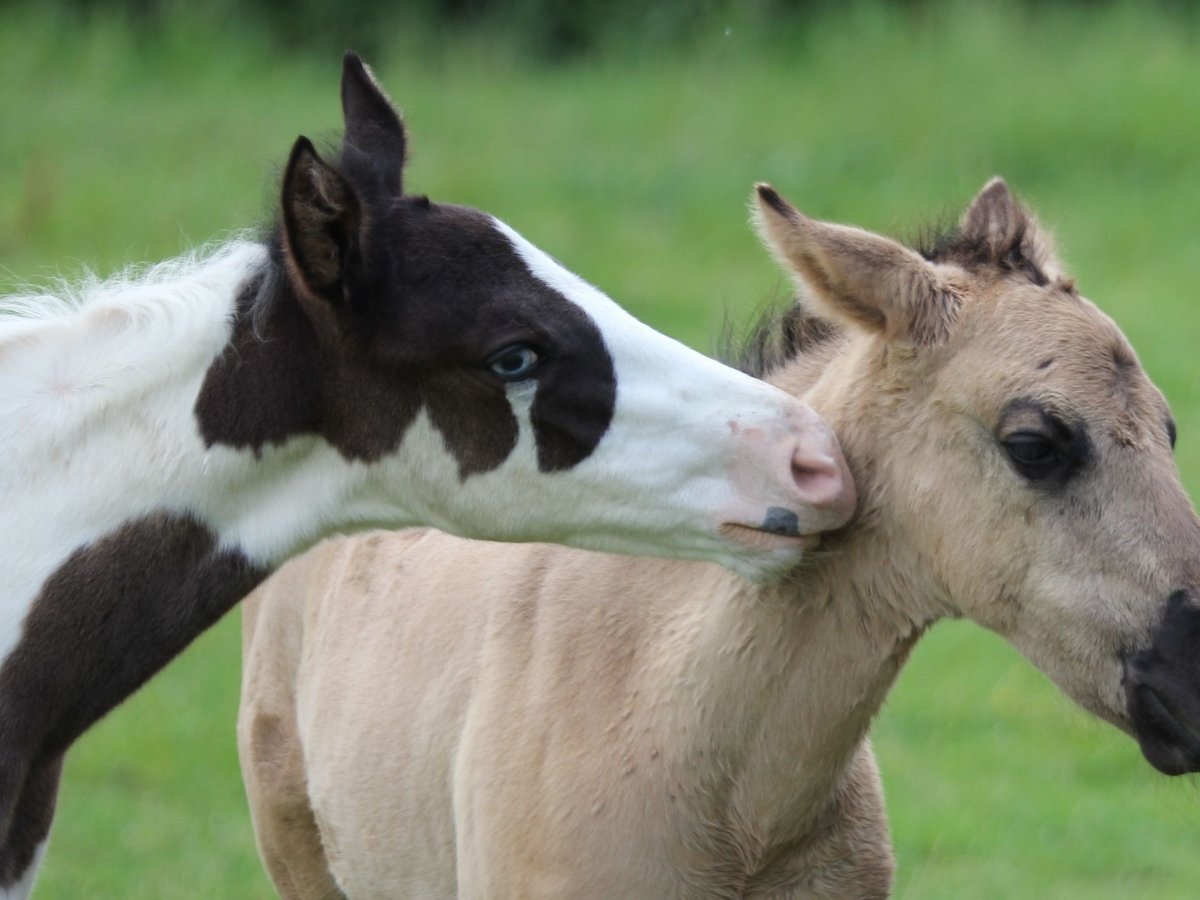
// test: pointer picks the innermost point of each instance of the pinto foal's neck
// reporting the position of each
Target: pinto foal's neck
(128, 530)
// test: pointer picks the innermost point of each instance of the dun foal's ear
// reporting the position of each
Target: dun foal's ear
(373, 125)
(321, 219)
(1004, 234)
(859, 278)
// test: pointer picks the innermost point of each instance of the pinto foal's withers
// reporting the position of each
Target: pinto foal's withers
(382, 359)
(428, 717)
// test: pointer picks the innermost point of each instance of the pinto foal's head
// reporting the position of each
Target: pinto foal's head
(1013, 455)
(436, 302)
(474, 384)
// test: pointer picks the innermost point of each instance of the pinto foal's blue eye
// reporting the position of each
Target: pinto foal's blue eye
(515, 362)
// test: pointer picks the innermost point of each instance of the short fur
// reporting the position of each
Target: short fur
(428, 717)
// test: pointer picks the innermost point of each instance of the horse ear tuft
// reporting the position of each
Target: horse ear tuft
(373, 125)
(1002, 233)
(994, 219)
(321, 221)
(864, 280)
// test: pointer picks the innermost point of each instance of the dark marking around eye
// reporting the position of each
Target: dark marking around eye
(278, 378)
(1067, 445)
(1171, 432)
(1046, 363)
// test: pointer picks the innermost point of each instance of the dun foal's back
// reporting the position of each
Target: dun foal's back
(428, 717)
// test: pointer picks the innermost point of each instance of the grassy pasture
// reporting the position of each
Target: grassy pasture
(124, 144)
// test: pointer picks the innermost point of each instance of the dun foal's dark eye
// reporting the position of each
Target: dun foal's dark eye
(1043, 448)
(1032, 453)
(515, 363)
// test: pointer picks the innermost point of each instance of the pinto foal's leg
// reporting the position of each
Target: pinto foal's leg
(24, 843)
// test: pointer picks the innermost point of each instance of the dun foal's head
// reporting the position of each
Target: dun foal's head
(1013, 457)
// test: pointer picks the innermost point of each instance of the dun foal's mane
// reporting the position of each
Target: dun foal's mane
(775, 337)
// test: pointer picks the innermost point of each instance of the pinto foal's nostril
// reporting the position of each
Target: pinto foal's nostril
(821, 480)
(823, 494)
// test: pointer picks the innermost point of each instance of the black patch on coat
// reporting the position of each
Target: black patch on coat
(392, 304)
(115, 613)
(455, 292)
(30, 817)
(375, 305)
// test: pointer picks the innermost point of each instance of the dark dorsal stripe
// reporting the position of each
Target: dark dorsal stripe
(415, 335)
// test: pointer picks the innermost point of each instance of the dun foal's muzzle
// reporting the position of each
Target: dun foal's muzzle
(1162, 690)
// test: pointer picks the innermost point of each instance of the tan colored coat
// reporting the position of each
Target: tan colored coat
(429, 717)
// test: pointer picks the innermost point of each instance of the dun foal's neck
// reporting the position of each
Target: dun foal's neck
(780, 685)
(802, 665)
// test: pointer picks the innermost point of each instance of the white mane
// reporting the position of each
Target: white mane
(140, 291)
(70, 356)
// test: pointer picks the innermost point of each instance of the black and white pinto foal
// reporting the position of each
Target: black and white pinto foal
(379, 360)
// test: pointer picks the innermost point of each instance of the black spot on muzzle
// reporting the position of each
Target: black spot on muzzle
(781, 521)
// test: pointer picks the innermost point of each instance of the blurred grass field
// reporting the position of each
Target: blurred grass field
(126, 143)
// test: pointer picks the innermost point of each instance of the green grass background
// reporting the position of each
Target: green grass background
(124, 142)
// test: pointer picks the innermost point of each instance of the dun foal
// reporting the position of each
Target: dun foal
(428, 717)
(380, 359)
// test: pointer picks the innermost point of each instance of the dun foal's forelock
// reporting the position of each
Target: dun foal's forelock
(380, 359)
(508, 721)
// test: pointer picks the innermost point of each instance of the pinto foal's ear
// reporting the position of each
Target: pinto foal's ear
(1002, 233)
(373, 126)
(321, 219)
(862, 279)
